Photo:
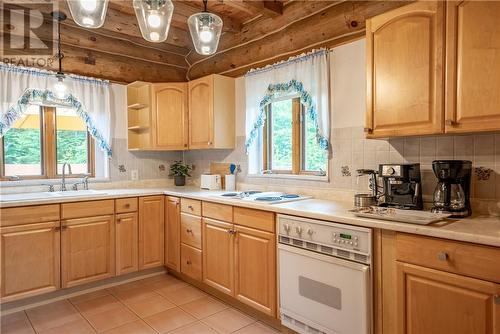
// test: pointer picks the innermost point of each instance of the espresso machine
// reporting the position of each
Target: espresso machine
(402, 186)
(452, 193)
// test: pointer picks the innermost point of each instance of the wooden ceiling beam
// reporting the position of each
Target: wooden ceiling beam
(318, 30)
(103, 65)
(118, 22)
(267, 8)
(92, 40)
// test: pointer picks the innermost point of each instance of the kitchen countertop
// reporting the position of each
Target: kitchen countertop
(476, 229)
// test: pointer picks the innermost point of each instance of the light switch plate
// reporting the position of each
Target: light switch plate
(134, 175)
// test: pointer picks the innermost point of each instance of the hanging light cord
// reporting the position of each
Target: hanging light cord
(205, 5)
(59, 53)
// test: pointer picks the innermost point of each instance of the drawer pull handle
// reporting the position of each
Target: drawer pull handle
(188, 262)
(496, 298)
(450, 122)
(127, 205)
(188, 230)
(190, 207)
(443, 256)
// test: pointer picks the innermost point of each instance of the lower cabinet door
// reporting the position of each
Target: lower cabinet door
(255, 269)
(432, 301)
(30, 256)
(172, 233)
(151, 231)
(87, 250)
(127, 243)
(191, 262)
(218, 255)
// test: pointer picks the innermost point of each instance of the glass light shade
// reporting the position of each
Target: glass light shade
(205, 29)
(88, 13)
(60, 90)
(154, 17)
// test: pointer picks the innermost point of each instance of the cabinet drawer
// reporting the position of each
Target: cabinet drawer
(452, 256)
(87, 209)
(191, 206)
(262, 220)
(218, 211)
(124, 205)
(191, 230)
(191, 261)
(29, 214)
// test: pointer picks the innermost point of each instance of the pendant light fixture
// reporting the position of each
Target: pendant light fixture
(59, 89)
(88, 13)
(205, 29)
(154, 17)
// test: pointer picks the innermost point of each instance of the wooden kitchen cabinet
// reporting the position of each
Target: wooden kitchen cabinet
(255, 269)
(405, 52)
(87, 249)
(172, 233)
(432, 301)
(211, 112)
(472, 66)
(218, 255)
(170, 116)
(30, 259)
(127, 243)
(151, 231)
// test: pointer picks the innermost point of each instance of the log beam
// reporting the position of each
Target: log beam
(315, 31)
(100, 65)
(270, 8)
(92, 40)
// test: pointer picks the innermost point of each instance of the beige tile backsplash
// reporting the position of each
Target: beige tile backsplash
(351, 149)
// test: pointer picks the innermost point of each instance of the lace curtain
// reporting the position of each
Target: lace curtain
(90, 98)
(305, 76)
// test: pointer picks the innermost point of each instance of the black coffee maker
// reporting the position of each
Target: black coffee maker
(402, 186)
(452, 194)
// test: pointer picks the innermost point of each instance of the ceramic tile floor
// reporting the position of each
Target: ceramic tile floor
(159, 304)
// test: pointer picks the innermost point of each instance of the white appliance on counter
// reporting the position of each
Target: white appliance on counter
(324, 276)
(211, 182)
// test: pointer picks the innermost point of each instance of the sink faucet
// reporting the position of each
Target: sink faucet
(63, 181)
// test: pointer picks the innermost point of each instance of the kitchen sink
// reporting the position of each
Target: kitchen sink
(47, 195)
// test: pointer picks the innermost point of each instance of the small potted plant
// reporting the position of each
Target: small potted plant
(179, 171)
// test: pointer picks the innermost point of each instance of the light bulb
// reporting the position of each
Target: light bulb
(88, 21)
(154, 36)
(206, 34)
(154, 20)
(60, 89)
(89, 5)
(205, 50)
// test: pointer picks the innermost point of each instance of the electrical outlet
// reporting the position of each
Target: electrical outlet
(134, 175)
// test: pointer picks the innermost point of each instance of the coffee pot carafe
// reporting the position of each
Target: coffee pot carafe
(452, 193)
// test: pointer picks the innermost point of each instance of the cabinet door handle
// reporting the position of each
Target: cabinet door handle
(450, 122)
(368, 130)
(127, 205)
(190, 207)
(443, 256)
(188, 262)
(496, 299)
(57, 228)
(188, 230)
(209, 143)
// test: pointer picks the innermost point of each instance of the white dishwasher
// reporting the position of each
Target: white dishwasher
(324, 276)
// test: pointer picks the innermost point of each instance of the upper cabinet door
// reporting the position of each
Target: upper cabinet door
(405, 71)
(473, 66)
(170, 115)
(201, 113)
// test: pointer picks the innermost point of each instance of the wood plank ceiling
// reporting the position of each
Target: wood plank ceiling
(255, 33)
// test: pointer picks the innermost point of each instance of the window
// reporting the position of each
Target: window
(43, 140)
(289, 140)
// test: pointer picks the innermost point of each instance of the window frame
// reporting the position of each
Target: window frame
(298, 141)
(49, 151)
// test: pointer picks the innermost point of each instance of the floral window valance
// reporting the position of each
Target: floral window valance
(306, 76)
(89, 97)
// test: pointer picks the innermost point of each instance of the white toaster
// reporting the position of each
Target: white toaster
(211, 181)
